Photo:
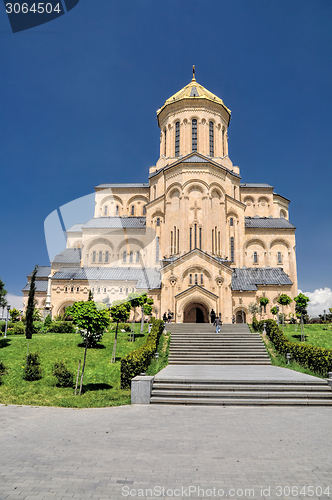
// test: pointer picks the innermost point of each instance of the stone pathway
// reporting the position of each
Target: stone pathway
(57, 453)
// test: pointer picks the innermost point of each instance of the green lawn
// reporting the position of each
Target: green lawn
(317, 335)
(101, 378)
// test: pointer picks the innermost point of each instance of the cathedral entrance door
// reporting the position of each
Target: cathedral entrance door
(195, 313)
(241, 317)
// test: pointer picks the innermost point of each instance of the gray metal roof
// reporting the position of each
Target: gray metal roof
(68, 256)
(267, 223)
(41, 286)
(196, 159)
(75, 228)
(115, 222)
(247, 279)
(42, 272)
(255, 185)
(125, 185)
(145, 278)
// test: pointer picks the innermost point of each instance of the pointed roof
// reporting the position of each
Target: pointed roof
(192, 91)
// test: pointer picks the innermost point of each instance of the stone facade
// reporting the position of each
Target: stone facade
(194, 237)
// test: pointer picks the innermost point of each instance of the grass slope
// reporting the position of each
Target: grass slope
(101, 383)
(317, 335)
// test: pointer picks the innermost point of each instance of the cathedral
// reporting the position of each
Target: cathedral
(193, 236)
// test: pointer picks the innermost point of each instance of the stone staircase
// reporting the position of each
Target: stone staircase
(199, 344)
(241, 393)
(188, 380)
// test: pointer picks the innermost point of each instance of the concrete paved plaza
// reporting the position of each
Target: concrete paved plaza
(113, 452)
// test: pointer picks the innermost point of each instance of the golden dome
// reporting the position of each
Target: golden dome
(191, 92)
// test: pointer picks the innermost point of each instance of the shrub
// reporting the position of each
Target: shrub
(317, 359)
(32, 370)
(19, 328)
(37, 326)
(61, 327)
(64, 377)
(255, 324)
(47, 323)
(10, 325)
(124, 326)
(137, 361)
(3, 369)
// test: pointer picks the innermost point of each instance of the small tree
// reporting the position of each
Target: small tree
(284, 300)
(48, 322)
(301, 302)
(32, 370)
(91, 324)
(29, 315)
(253, 309)
(135, 300)
(120, 312)
(264, 302)
(14, 314)
(3, 293)
(90, 295)
(274, 310)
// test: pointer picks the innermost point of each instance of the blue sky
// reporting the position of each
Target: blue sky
(79, 97)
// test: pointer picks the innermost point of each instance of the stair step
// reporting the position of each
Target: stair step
(241, 402)
(240, 394)
(250, 386)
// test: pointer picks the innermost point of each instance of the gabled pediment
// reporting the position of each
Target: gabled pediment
(194, 289)
(201, 256)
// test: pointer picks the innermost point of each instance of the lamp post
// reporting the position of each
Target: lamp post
(8, 309)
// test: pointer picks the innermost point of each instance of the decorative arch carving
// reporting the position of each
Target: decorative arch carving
(189, 186)
(137, 197)
(98, 241)
(263, 200)
(249, 201)
(279, 241)
(130, 241)
(254, 241)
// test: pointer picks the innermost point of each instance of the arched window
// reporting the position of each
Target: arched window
(98, 290)
(133, 289)
(124, 258)
(93, 256)
(190, 279)
(154, 192)
(100, 256)
(279, 258)
(171, 242)
(137, 257)
(165, 143)
(132, 210)
(200, 238)
(231, 221)
(177, 138)
(72, 289)
(190, 239)
(178, 240)
(131, 257)
(120, 290)
(201, 279)
(66, 289)
(255, 258)
(78, 289)
(106, 256)
(127, 290)
(211, 135)
(194, 135)
(117, 210)
(158, 221)
(144, 210)
(157, 249)
(105, 210)
(105, 290)
(234, 191)
(223, 141)
(232, 249)
(196, 281)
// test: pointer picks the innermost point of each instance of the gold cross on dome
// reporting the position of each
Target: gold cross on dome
(195, 208)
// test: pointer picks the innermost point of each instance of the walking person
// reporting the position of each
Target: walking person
(233, 319)
(169, 315)
(212, 316)
(218, 323)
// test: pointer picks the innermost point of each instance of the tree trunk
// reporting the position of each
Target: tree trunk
(86, 348)
(114, 346)
(283, 319)
(133, 326)
(142, 320)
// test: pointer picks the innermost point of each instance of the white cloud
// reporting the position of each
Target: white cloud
(319, 300)
(15, 301)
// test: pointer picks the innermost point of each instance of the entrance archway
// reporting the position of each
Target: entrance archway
(195, 313)
(241, 317)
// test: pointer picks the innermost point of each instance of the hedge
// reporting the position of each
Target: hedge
(137, 361)
(317, 359)
(61, 327)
